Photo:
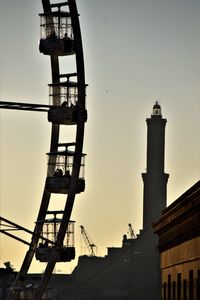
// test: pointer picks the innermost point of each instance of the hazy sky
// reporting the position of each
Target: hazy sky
(136, 52)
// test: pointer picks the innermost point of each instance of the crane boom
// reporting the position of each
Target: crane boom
(88, 241)
(131, 231)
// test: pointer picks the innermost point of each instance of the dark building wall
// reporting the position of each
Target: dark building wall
(179, 244)
(7, 276)
(144, 267)
(129, 272)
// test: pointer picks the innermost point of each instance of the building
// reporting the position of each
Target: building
(7, 276)
(179, 245)
(155, 179)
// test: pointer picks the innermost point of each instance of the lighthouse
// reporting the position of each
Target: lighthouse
(155, 179)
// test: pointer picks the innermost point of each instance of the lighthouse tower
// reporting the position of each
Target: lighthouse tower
(155, 179)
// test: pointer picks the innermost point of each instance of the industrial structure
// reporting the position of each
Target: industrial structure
(91, 247)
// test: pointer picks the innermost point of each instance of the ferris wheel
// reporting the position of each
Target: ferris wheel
(60, 36)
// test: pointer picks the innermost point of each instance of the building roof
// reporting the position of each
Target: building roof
(181, 220)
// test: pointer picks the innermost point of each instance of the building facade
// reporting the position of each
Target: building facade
(179, 245)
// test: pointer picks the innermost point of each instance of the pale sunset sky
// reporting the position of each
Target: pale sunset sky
(136, 52)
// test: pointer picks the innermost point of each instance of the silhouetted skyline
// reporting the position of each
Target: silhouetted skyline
(136, 52)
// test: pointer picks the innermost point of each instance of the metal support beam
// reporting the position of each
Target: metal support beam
(24, 106)
(11, 226)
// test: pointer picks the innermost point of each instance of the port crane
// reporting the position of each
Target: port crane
(131, 231)
(88, 241)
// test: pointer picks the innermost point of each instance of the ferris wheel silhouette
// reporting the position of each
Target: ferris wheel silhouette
(50, 241)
